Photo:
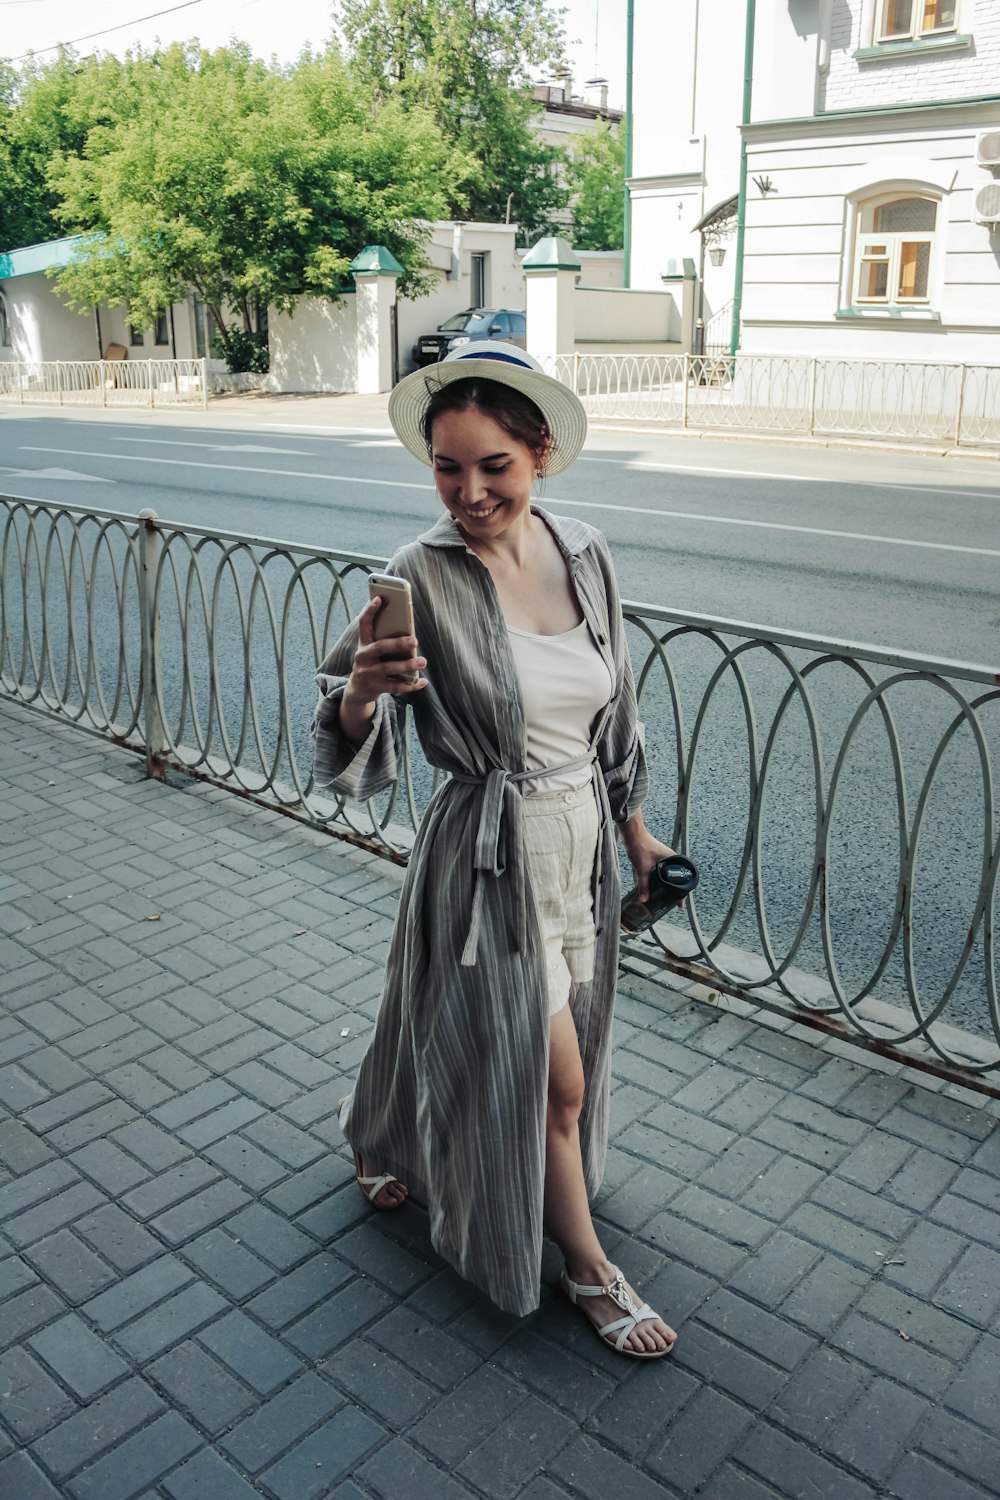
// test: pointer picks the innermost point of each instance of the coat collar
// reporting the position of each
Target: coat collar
(572, 536)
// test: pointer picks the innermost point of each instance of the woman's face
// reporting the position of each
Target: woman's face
(483, 474)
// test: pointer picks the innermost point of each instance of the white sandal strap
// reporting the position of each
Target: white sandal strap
(372, 1186)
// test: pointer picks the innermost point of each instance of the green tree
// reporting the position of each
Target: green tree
(595, 176)
(469, 62)
(251, 185)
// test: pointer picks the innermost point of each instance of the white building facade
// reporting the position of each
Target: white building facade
(871, 205)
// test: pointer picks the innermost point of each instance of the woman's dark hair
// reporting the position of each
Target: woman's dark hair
(515, 413)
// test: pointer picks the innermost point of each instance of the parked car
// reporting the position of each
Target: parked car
(470, 327)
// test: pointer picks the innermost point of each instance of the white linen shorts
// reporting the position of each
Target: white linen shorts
(560, 831)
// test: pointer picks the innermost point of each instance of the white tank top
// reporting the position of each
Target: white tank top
(564, 683)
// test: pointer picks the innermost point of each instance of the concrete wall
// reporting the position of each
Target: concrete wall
(601, 267)
(42, 326)
(314, 348)
(605, 316)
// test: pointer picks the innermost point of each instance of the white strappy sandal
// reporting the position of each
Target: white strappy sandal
(370, 1186)
(618, 1330)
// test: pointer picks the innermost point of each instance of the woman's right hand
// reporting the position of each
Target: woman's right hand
(388, 666)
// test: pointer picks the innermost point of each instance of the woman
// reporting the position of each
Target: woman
(485, 1086)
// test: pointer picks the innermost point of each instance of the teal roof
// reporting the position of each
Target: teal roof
(376, 260)
(551, 254)
(31, 259)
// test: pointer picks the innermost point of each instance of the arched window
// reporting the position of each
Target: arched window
(895, 250)
(4, 324)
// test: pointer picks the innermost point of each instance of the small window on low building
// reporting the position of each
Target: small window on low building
(161, 332)
(5, 340)
(909, 20)
(895, 249)
(135, 337)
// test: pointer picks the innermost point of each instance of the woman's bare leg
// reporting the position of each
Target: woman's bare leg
(567, 1211)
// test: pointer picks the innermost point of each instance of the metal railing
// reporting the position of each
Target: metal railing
(920, 401)
(104, 382)
(841, 800)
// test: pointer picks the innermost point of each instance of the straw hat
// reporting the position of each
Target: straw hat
(506, 365)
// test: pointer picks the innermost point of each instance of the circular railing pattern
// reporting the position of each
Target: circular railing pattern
(841, 801)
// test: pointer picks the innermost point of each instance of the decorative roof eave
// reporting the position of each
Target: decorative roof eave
(30, 260)
(717, 217)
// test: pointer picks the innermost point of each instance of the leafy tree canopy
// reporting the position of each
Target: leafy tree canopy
(595, 176)
(469, 62)
(250, 184)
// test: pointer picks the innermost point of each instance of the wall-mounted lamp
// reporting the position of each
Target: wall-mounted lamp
(717, 254)
(764, 185)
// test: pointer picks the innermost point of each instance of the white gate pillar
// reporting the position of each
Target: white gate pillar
(375, 272)
(550, 275)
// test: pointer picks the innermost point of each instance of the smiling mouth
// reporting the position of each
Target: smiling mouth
(483, 513)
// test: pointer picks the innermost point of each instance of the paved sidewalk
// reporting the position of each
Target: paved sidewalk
(197, 1304)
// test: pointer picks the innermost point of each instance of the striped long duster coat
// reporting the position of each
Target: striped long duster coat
(451, 1094)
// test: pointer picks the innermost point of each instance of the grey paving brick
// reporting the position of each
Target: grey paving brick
(169, 1187)
(117, 1237)
(506, 1459)
(15, 1275)
(756, 1329)
(972, 1287)
(398, 1469)
(371, 1377)
(697, 1247)
(230, 1265)
(240, 1159)
(270, 1236)
(31, 1399)
(21, 1478)
(775, 1269)
(427, 1349)
(138, 1085)
(251, 1353)
(905, 1122)
(972, 1393)
(137, 1293)
(826, 1385)
(875, 1435)
(794, 1469)
(797, 1140)
(208, 1477)
(34, 1187)
(54, 1069)
(865, 1247)
(109, 1167)
(220, 1122)
(721, 1217)
(92, 1125)
(730, 1483)
(921, 1180)
(462, 1419)
(21, 1150)
(307, 1471)
(825, 1293)
(200, 1212)
(192, 1104)
(201, 1388)
(382, 1260)
(594, 1472)
(863, 1208)
(736, 1371)
(919, 1478)
(554, 1373)
(960, 1446)
(263, 1083)
(27, 1311)
(155, 1148)
(98, 1427)
(281, 1421)
(882, 1348)
(139, 1462)
(698, 1440)
(292, 1296)
(874, 1160)
(305, 1188)
(172, 1320)
(954, 1114)
(337, 1319)
(290, 1145)
(45, 1117)
(79, 1358)
(945, 1334)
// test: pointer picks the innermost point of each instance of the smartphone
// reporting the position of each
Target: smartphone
(396, 615)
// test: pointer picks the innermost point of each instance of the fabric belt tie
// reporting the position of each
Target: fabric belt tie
(487, 852)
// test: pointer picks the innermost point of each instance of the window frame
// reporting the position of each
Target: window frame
(865, 243)
(6, 341)
(161, 324)
(917, 32)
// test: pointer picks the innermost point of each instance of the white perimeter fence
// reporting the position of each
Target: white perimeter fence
(104, 382)
(840, 800)
(957, 405)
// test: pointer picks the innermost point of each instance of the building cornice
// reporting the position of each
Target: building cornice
(926, 112)
(663, 179)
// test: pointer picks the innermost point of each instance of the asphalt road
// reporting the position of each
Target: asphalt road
(863, 546)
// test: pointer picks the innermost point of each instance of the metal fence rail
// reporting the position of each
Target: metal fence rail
(958, 405)
(841, 800)
(104, 382)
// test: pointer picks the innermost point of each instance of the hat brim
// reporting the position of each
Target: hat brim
(562, 409)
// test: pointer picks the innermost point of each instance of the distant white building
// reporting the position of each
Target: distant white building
(870, 197)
